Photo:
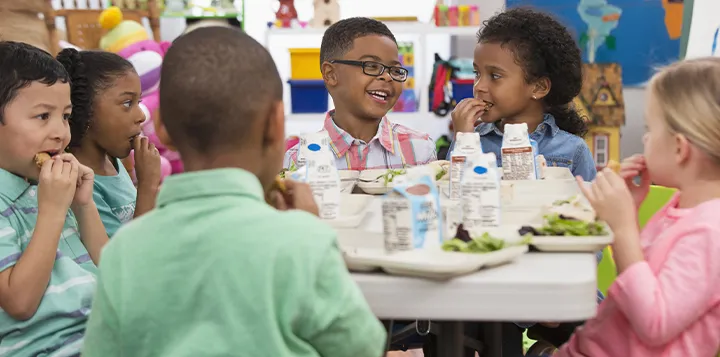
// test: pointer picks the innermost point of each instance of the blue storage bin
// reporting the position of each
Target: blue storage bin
(308, 96)
(462, 88)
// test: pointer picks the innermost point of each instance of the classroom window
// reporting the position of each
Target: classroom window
(601, 149)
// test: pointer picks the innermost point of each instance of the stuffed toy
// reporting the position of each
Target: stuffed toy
(130, 40)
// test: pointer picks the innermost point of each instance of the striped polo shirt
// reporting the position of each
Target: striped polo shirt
(58, 326)
(394, 146)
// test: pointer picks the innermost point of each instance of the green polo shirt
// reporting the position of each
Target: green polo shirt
(57, 327)
(215, 271)
(115, 198)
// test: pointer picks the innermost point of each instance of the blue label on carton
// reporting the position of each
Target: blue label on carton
(411, 216)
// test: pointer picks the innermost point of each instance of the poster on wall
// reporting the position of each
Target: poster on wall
(704, 35)
(639, 35)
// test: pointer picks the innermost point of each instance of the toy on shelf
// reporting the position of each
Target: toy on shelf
(408, 99)
(286, 16)
(601, 103)
(327, 12)
(456, 16)
(130, 40)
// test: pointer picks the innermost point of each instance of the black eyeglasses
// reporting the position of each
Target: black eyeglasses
(376, 69)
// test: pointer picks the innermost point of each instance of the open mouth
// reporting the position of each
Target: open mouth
(380, 96)
(488, 104)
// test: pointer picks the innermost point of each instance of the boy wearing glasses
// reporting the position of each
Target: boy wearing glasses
(360, 67)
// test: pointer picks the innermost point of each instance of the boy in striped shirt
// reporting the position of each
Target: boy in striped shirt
(48, 254)
(360, 67)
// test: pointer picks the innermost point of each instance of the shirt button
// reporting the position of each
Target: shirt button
(32, 192)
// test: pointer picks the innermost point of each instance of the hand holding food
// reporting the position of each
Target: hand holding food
(289, 194)
(612, 200)
(57, 184)
(631, 168)
(147, 162)
(467, 113)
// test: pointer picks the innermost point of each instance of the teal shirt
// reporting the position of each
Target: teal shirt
(215, 271)
(115, 198)
(57, 327)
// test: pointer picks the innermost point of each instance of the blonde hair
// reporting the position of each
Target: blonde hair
(688, 95)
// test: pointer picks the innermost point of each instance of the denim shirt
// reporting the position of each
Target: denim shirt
(559, 147)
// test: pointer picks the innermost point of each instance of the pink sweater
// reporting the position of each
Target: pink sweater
(668, 305)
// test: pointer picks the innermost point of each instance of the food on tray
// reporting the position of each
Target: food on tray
(40, 158)
(571, 217)
(391, 174)
(287, 171)
(558, 225)
(486, 243)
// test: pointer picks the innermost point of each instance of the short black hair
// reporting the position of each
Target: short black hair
(340, 36)
(91, 72)
(20, 65)
(215, 81)
(543, 47)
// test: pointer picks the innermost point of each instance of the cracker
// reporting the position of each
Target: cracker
(40, 158)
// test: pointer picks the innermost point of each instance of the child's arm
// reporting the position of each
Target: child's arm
(148, 172)
(92, 230)
(583, 164)
(660, 306)
(26, 273)
(337, 321)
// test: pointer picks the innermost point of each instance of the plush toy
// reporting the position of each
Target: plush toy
(130, 40)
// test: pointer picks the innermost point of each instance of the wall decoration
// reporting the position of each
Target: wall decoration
(638, 35)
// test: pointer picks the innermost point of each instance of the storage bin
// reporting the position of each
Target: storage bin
(305, 63)
(308, 96)
(462, 88)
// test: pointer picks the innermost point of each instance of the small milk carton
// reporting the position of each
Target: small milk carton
(466, 144)
(319, 171)
(321, 137)
(411, 214)
(480, 200)
(518, 155)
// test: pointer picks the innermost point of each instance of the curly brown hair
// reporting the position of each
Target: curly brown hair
(544, 48)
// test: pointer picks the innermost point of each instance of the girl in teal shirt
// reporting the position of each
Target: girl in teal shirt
(105, 126)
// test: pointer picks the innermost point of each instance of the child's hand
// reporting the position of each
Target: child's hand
(147, 162)
(298, 195)
(466, 114)
(611, 199)
(631, 168)
(57, 184)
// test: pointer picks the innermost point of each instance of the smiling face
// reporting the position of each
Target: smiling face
(367, 96)
(500, 81)
(35, 121)
(117, 117)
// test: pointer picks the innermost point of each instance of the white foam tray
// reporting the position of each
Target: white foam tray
(353, 209)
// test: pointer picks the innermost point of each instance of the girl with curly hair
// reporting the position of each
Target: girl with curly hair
(105, 126)
(528, 70)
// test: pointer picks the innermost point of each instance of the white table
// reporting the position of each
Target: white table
(537, 287)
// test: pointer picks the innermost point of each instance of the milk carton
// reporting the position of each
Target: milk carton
(518, 155)
(411, 215)
(322, 138)
(480, 198)
(320, 173)
(466, 144)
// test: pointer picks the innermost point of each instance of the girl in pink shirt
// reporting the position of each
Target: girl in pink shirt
(666, 299)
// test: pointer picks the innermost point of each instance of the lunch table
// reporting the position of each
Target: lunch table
(557, 287)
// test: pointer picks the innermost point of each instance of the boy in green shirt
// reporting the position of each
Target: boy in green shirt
(47, 252)
(214, 270)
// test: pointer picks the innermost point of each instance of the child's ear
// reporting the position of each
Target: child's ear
(275, 125)
(161, 132)
(541, 88)
(329, 74)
